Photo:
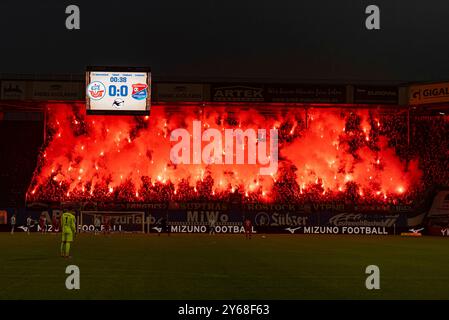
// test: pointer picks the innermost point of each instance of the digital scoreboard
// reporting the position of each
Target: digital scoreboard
(118, 90)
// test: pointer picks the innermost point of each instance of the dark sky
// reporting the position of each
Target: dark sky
(275, 39)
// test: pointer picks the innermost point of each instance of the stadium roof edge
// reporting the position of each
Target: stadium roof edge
(208, 79)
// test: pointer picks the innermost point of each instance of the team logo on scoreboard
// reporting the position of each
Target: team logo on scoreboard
(96, 90)
(139, 91)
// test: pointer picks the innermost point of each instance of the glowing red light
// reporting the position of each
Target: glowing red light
(318, 150)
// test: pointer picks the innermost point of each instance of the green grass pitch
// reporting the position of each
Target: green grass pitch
(199, 266)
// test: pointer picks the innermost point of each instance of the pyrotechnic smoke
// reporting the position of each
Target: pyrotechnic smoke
(128, 158)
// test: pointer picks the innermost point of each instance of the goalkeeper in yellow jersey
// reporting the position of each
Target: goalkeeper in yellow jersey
(68, 227)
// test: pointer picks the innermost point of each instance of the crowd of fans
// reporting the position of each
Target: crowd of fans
(430, 144)
(426, 140)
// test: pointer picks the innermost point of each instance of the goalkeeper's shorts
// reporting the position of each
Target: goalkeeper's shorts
(67, 236)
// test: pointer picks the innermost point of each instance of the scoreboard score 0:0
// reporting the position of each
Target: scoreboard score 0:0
(118, 90)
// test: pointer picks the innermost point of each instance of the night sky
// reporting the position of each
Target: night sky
(286, 40)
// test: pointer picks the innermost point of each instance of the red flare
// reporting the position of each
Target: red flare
(107, 153)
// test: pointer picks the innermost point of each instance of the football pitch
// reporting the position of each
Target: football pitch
(199, 266)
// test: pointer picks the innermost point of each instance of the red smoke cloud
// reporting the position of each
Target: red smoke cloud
(128, 158)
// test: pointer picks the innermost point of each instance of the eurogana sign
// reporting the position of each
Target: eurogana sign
(376, 94)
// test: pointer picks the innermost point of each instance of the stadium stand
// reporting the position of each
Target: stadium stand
(20, 142)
